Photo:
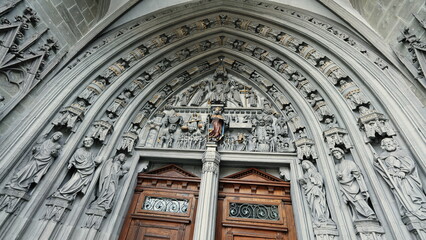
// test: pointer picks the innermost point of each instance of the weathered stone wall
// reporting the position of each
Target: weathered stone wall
(389, 17)
(71, 19)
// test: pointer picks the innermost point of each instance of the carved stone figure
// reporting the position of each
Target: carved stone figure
(69, 116)
(186, 96)
(129, 139)
(352, 186)
(400, 173)
(103, 127)
(374, 124)
(234, 94)
(119, 103)
(110, 174)
(312, 184)
(356, 99)
(172, 121)
(95, 88)
(217, 125)
(39, 163)
(219, 87)
(200, 95)
(82, 160)
(252, 99)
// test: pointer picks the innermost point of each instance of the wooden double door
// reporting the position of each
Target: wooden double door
(251, 205)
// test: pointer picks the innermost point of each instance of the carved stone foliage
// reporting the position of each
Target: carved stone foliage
(22, 63)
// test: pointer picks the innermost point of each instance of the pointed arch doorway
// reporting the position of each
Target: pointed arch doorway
(252, 204)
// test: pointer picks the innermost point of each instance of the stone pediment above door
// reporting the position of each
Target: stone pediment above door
(171, 171)
(253, 174)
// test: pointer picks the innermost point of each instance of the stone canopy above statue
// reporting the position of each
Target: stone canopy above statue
(221, 107)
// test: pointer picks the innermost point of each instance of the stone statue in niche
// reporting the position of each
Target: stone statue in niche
(41, 159)
(352, 185)
(85, 164)
(217, 124)
(110, 174)
(313, 186)
(119, 103)
(95, 88)
(70, 115)
(400, 173)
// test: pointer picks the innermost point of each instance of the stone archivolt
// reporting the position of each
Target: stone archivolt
(153, 123)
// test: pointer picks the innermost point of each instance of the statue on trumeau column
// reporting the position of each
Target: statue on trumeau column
(217, 124)
(352, 186)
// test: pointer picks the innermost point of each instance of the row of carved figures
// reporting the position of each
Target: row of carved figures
(397, 169)
(82, 165)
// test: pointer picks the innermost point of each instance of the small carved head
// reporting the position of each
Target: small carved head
(120, 157)
(306, 165)
(56, 136)
(88, 142)
(389, 144)
(337, 153)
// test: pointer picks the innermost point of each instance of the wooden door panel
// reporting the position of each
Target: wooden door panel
(254, 205)
(163, 207)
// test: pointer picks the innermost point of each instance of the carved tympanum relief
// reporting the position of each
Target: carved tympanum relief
(220, 107)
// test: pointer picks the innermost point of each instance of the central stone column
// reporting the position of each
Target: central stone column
(205, 221)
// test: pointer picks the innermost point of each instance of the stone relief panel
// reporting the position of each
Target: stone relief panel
(27, 53)
(247, 120)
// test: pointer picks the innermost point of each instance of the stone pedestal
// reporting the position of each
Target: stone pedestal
(56, 209)
(207, 202)
(416, 226)
(10, 200)
(326, 232)
(369, 229)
